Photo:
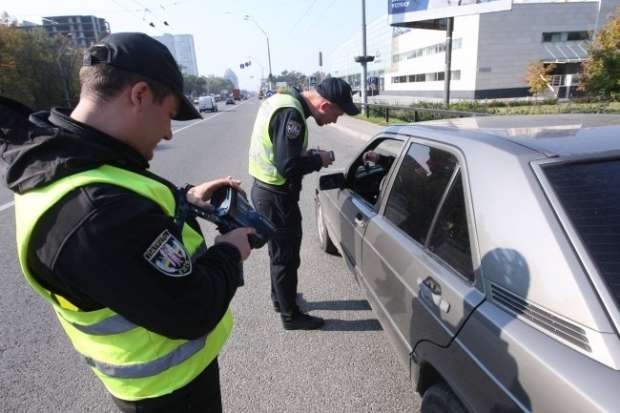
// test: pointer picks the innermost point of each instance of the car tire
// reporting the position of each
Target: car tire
(439, 398)
(325, 241)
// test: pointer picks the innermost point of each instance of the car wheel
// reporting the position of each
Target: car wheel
(325, 241)
(439, 398)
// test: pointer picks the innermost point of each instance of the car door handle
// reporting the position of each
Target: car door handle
(360, 221)
(431, 291)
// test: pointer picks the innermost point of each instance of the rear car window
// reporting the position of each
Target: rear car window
(590, 195)
(450, 237)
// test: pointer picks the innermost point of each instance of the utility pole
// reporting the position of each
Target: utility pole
(363, 60)
(447, 75)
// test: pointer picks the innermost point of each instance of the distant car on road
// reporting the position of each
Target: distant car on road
(207, 103)
(489, 249)
(230, 101)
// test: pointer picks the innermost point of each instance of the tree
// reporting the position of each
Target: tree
(217, 84)
(601, 72)
(293, 79)
(538, 77)
(194, 85)
(38, 70)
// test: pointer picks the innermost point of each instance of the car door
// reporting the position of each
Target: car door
(356, 204)
(417, 252)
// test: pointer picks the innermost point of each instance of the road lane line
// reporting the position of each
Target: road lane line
(6, 206)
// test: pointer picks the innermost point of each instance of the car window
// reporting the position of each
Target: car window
(368, 179)
(419, 184)
(590, 195)
(450, 235)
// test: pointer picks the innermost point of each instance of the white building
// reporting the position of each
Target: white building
(340, 63)
(181, 46)
(490, 51)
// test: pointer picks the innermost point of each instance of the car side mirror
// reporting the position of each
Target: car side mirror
(332, 181)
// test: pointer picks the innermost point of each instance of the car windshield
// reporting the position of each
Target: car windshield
(590, 195)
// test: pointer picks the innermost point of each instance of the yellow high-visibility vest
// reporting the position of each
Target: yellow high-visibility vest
(261, 148)
(132, 362)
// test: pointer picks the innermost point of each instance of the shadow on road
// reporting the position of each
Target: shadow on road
(351, 325)
(351, 305)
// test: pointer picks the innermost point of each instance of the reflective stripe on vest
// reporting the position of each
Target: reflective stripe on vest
(261, 148)
(132, 362)
(182, 353)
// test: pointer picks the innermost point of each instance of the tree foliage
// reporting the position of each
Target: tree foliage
(601, 72)
(209, 85)
(38, 70)
(538, 77)
(293, 79)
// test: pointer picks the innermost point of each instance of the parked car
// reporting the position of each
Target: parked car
(207, 103)
(230, 101)
(489, 249)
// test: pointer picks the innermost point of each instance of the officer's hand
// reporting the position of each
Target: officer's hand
(200, 194)
(239, 238)
(326, 157)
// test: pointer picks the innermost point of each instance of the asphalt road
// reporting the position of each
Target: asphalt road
(349, 366)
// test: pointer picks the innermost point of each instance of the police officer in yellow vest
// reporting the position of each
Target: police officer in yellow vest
(106, 243)
(279, 158)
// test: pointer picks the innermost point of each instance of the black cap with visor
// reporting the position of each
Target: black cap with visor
(339, 92)
(143, 55)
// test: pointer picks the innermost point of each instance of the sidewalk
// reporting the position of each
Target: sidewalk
(357, 128)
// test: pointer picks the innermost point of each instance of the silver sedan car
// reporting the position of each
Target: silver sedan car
(489, 249)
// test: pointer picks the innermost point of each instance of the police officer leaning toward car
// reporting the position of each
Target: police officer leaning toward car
(279, 159)
(108, 244)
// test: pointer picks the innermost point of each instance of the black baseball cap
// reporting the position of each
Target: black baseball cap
(339, 92)
(141, 54)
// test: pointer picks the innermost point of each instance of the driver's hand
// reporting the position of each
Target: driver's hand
(370, 156)
(239, 238)
(200, 194)
(326, 157)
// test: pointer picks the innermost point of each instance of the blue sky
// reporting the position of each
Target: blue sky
(297, 29)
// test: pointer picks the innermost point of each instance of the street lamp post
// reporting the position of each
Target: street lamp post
(250, 18)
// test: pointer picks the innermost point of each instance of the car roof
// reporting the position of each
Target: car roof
(552, 135)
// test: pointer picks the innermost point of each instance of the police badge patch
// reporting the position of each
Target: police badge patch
(293, 129)
(168, 255)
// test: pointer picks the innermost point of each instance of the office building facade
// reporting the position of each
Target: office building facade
(82, 30)
(181, 46)
(491, 51)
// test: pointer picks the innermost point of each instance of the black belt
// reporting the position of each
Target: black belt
(280, 189)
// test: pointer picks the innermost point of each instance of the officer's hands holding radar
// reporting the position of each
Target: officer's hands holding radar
(223, 202)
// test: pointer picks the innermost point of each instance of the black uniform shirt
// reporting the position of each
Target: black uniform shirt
(90, 247)
(286, 130)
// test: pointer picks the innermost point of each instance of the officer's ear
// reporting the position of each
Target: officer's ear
(140, 94)
(324, 106)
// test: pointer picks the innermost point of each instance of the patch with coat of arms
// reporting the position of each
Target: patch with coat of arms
(168, 255)
(293, 129)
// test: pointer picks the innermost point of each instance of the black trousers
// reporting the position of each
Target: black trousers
(201, 395)
(283, 210)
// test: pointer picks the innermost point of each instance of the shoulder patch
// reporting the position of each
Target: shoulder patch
(293, 129)
(168, 255)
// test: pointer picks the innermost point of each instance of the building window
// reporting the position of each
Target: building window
(426, 51)
(576, 36)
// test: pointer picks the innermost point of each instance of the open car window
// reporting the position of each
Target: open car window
(368, 178)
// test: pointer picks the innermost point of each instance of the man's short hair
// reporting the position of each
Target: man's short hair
(106, 82)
